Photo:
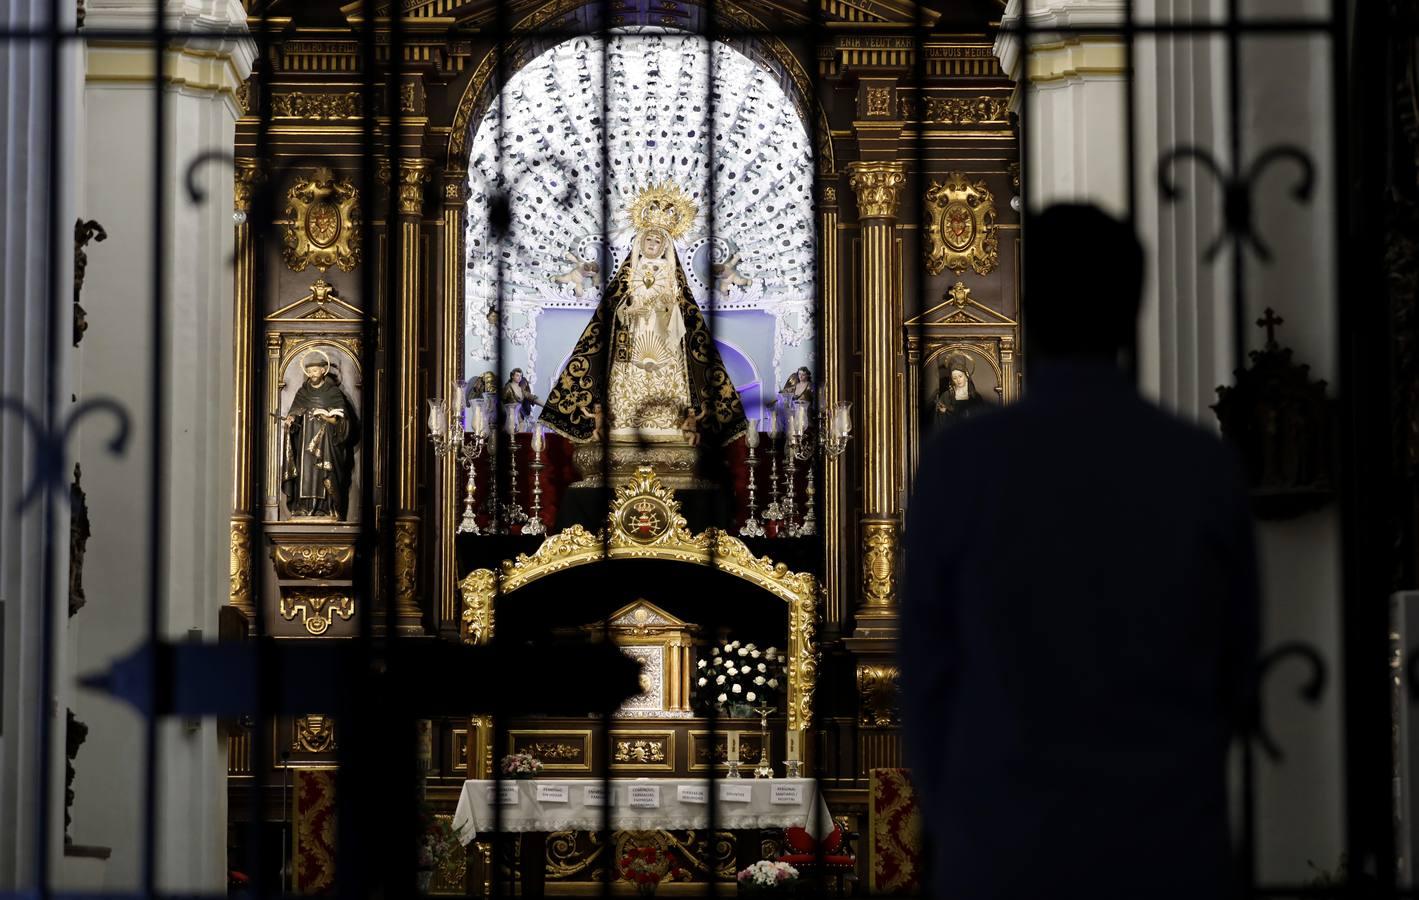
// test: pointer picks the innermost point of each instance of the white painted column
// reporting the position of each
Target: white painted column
(199, 80)
(28, 148)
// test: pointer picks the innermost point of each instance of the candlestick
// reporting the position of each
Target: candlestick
(790, 469)
(809, 526)
(751, 526)
(534, 522)
(773, 512)
(513, 510)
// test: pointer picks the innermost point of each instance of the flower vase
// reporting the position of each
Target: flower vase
(647, 888)
(740, 711)
(424, 878)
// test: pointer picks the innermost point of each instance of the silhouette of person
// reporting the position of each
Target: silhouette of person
(1078, 635)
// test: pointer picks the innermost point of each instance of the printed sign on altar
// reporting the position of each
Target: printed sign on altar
(645, 796)
(553, 793)
(788, 794)
(595, 795)
(510, 793)
(692, 793)
(736, 793)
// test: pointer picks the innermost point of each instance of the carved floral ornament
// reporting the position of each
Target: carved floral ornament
(962, 227)
(669, 540)
(322, 223)
(413, 175)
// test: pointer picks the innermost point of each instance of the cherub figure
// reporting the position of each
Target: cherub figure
(690, 427)
(598, 415)
(577, 276)
(727, 275)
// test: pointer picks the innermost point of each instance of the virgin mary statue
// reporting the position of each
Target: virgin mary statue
(645, 364)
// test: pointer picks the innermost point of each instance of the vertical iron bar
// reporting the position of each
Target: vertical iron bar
(157, 519)
(49, 598)
(260, 209)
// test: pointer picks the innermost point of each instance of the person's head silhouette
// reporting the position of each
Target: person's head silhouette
(1083, 284)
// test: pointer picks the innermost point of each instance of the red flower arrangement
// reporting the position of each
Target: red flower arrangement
(646, 867)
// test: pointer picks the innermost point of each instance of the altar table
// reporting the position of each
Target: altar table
(637, 804)
(672, 810)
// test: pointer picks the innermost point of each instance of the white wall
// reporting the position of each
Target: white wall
(196, 442)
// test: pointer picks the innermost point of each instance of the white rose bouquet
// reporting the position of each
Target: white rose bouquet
(737, 673)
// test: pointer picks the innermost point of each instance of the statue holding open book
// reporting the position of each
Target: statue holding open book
(322, 430)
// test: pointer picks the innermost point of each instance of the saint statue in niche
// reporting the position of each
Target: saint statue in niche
(799, 387)
(646, 350)
(956, 396)
(518, 398)
(322, 430)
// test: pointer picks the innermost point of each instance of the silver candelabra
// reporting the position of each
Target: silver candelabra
(462, 433)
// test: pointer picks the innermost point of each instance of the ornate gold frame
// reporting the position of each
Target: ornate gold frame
(673, 541)
(961, 201)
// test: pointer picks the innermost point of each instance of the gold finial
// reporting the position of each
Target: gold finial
(663, 206)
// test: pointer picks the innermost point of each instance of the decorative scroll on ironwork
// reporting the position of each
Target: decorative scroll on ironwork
(78, 540)
(1311, 690)
(51, 446)
(1281, 420)
(1236, 192)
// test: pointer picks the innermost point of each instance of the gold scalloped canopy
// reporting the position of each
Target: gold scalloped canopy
(635, 536)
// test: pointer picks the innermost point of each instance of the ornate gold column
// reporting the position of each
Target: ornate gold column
(243, 333)
(834, 385)
(450, 343)
(413, 173)
(876, 183)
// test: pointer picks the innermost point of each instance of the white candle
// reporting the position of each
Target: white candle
(734, 746)
(438, 416)
(773, 423)
(751, 437)
(480, 428)
(539, 440)
(460, 395)
(842, 419)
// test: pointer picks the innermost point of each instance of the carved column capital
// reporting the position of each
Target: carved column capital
(876, 183)
(248, 175)
(455, 187)
(413, 175)
(877, 691)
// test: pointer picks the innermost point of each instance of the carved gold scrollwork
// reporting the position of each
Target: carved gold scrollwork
(877, 688)
(313, 561)
(962, 227)
(241, 566)
(406, 562)
(876, 183)
(879, 562)
(316, 608)
(547, 751)
(302, 105)
(640, 751)
(879, 102)
(322, 227)
(313, 734)
(565, 855)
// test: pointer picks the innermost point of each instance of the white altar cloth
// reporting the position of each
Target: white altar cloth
(795, 803)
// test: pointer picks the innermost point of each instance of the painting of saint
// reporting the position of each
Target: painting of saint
(322, 429)
(956, 398)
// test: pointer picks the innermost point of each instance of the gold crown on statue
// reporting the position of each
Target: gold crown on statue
(663, 206)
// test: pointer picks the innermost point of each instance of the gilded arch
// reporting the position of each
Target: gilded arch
(645, 523)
